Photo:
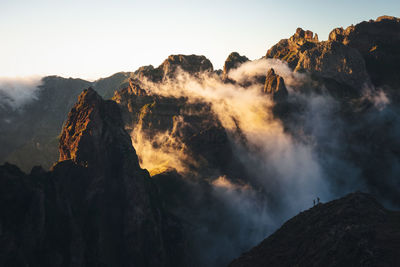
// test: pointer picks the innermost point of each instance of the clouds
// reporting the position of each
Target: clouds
(376, 96)
(288, 169)
(252, 69)
(162, 151)
(314, 150)
(18, 91)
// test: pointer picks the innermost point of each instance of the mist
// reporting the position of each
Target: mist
(283, 163)
(18, 91)
(288, 163)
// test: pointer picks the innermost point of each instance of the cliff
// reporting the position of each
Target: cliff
(329, 60)
(96, 207)
(378, 41)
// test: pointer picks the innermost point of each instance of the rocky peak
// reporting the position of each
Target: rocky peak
(385, 17)
(275, 86)
(233, 61)
(192, 64)
(94, 132)
(378, 41)
(150, 73)
(337, 35)
(189, 63)
(328, 60)
(302, 36)
(95, 207)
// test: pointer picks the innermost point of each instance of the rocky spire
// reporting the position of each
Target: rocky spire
(93, 133)
(116, 197)
(275, 86)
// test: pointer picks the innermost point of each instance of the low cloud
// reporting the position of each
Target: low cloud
(376, 96)
(288, 170)
(18, 91)
(261, 66)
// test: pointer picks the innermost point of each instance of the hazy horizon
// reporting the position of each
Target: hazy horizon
(94, 39)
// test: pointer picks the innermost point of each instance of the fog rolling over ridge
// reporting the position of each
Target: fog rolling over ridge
(17, 92)
(275, 158)
(194, 165)
(318, 141)
(282, 171)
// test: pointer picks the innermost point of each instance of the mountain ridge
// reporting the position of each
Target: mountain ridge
(355, 230)
(190, 166)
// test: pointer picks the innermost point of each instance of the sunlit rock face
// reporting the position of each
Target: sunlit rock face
(188, 63)
(378, 41)
(228, 157)
(233, 61)
(331, 60)
(275, 86)
(352, 231)
(29, 134)
(176, 125)
(96, 207)
(168, 69)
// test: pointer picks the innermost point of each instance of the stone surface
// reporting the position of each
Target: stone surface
(275, 86)
(28, 136)
(379, 43)
(331, 60)
(233, 61)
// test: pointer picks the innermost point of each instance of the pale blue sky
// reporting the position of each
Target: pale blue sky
(91, 39)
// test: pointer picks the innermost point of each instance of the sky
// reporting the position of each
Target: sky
(92, 39)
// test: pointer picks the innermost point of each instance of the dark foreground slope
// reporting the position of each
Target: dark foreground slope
(352, 231)
(96, 207)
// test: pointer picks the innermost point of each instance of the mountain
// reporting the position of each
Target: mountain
(363, 102)
(95, 207)
(352, 231)
(29, 133)
(378, 42)
(190, 166)
(233, 61)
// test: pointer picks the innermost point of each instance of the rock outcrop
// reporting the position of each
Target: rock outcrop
(192, 64)
(275, 86)
(96, 207)
(352, 231)
(379, 43)
(233, 61)
(28, 136)
(192, 128)
(331, 60)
